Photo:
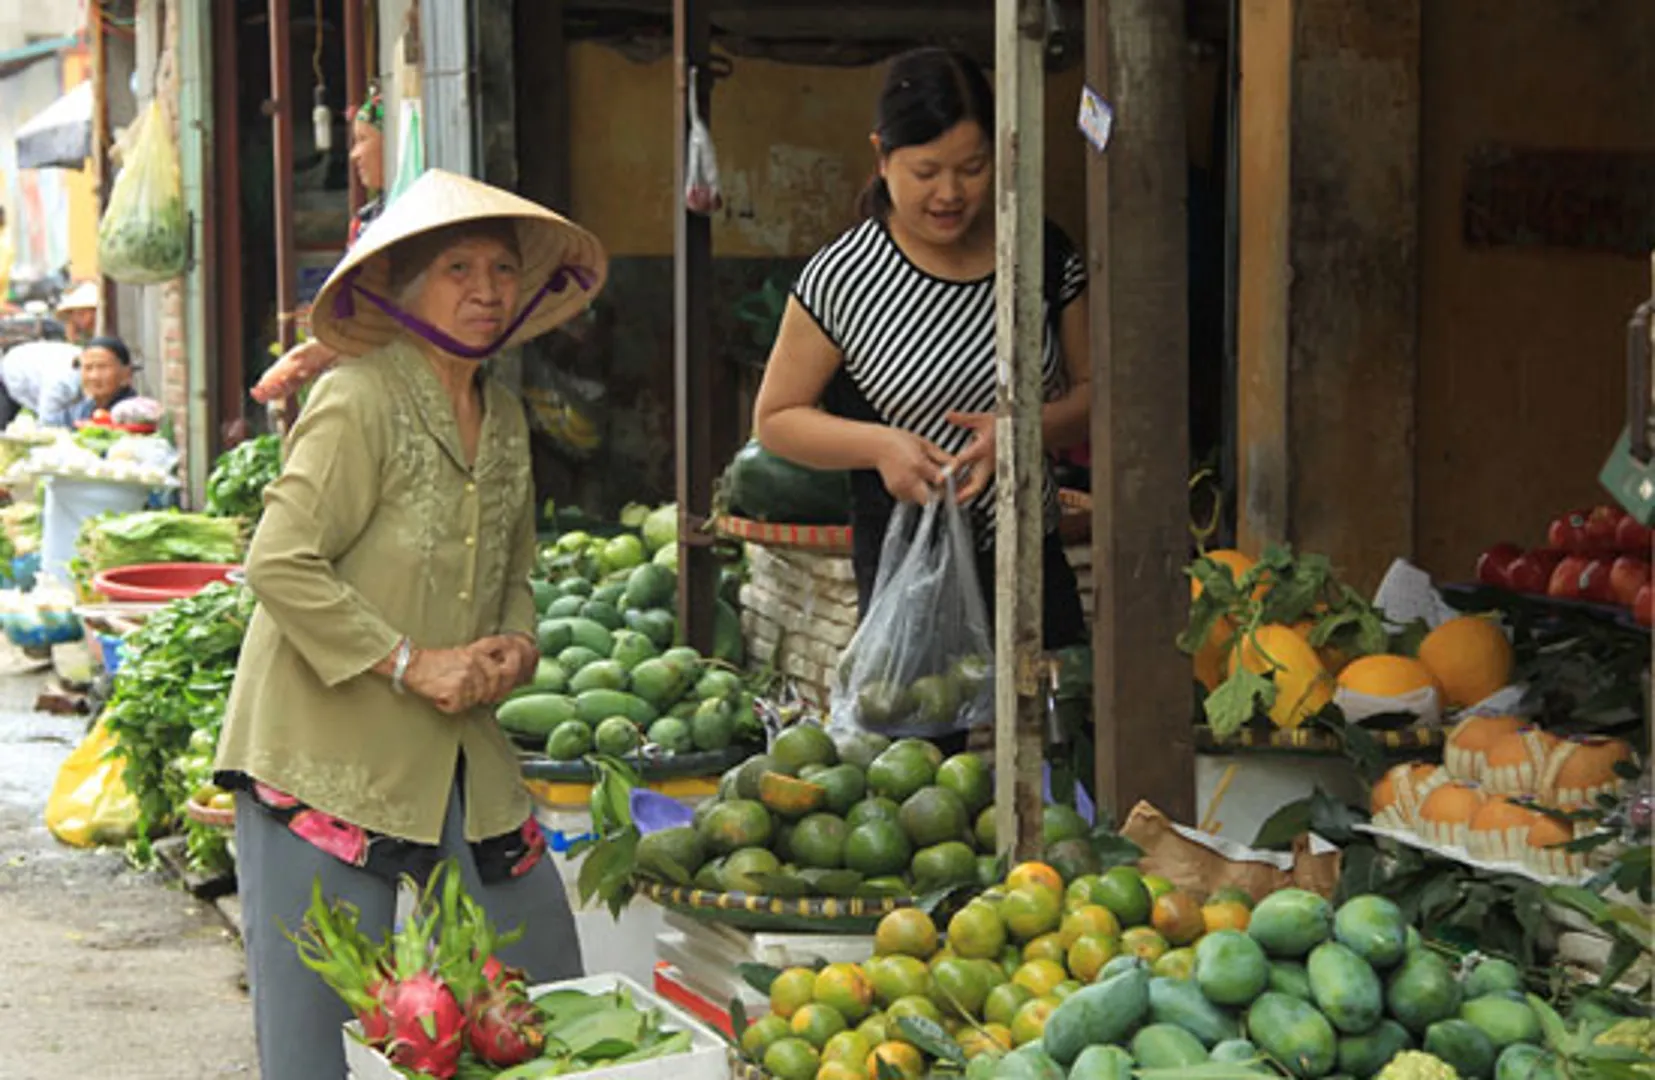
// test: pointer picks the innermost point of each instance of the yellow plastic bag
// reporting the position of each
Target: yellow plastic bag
(144, 237)
(90, 803)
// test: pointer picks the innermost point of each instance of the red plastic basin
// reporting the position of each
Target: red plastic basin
(152, 583)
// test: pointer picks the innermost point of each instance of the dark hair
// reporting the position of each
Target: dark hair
(412, 257)
(112, 345)
(927, 92)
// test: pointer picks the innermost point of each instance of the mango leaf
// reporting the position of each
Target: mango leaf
(606, 868)
(1551, 1025)
(778, 884)
(1111, 848)
(1233, 705)
(887, 1071)
(665, 866)
(931, 1038)
(831, 882)
(1622, 955)
(738, 1021)
(1290, 821)
(759, 976)
(879, 889)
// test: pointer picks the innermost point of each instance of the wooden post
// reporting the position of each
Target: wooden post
(1020, 146)
(280, 108)
(1140, 401)
(694, 373)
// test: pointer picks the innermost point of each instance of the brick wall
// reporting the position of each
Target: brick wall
(173, 337)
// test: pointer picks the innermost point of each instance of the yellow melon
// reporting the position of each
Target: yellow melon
(1303, 686)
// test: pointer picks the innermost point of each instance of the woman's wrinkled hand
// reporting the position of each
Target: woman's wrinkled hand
(296, 367)
(453, 680)
(514, 655)
(975, 464)
(910, 466)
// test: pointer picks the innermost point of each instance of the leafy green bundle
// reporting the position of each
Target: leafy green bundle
(235, 488)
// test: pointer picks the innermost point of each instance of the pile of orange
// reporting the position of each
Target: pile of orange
(1009, 958)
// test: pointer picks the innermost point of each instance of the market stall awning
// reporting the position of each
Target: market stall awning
(60, 135)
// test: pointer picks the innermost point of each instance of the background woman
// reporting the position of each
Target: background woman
(301, 363)
(885, 360)
(391, 571)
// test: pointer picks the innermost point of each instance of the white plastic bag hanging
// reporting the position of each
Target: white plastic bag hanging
(921, 662)
(410, 150)
(702, 194)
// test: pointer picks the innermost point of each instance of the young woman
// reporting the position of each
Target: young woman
(885, 360)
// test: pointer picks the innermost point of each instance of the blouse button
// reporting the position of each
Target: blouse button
(471, 541)
(470, 488)
(464, 595)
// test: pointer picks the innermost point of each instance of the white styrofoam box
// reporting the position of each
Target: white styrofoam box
(768, 947)
(1263, 784)
(707, 1058)
(624, 945)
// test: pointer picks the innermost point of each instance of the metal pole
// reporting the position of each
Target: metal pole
(228, 374)
(356, 86)
(694, 379)
(280, 108)
(1019, 722)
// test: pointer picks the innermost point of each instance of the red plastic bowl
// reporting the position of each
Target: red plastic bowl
(152, 583)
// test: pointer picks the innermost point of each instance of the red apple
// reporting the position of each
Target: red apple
(1565, 583)
(1568, 532)
(1632, 536)
(1595, 584)
(1492, 564)
(1600, 527)
(1643, 606)
(1627, 575)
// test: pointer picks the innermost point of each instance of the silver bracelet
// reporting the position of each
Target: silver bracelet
(404, 656)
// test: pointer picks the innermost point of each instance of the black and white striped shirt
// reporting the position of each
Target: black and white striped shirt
(917, 347)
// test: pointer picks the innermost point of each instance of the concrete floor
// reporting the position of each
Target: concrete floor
(105, 972)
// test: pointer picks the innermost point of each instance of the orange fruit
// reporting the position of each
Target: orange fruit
(908, 931)
(1030, 911)
(901, 1056)
(1003, 1002)
(897, 976)
(816, 1024)
(1238, 562)
(1030, 1022)
(792, 990)
(1177, 916)
(1089, 953)
(1469, 657)
(1038, 977)
(1145, 943)
(1384, 675)
(846, 988)
(1124, 891)
(1091, 919)
(1176, 964)
(1224, 915)
(1157, 885)
(1232, 893)
(916, 1008)
(991, 1038)
(1046, 947)
(1034, 873)
(977, 931)
(839, 1070)
(875, 1029)
(945, 953)
(847, 1047)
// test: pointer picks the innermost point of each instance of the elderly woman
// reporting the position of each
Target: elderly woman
(391, 569)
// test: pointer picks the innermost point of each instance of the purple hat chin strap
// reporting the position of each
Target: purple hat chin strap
(344, 307)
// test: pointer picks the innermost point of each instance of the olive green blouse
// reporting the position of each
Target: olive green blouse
(378, 529)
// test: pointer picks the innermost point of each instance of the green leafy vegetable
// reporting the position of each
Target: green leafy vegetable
(156, 536)
(235, 487)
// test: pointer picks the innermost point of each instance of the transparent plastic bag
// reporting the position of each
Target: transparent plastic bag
(144, 235)
(702, 194)
(921, 661)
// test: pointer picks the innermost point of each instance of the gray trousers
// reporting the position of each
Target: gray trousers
(297, 1016)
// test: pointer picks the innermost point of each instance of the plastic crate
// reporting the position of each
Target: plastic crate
(707, 1058)
(109, 652)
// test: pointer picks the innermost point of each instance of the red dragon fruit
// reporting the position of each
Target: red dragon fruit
(502, 1027)
(499, 975)
(375, 1021)
(427, 1025)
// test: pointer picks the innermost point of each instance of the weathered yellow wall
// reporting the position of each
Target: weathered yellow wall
(792, 145)
(1521, 351)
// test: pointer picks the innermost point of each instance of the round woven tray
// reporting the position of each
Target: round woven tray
(826, 539)
(206, 815)
(842, 914)
(1313, 740)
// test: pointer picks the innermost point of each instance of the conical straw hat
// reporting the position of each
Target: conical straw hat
(343, 320)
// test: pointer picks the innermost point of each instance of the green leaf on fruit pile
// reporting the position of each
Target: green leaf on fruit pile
(931, 1038)
(1296, 589)
(1237, 699)
(759, 976)
(1207, 609)
(1288, 823)
(607, 1034)
(1406, 641)
(1111, 848)
(831, 882)
(785, 885)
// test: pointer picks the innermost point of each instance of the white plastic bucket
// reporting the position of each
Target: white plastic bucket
(68, 504)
